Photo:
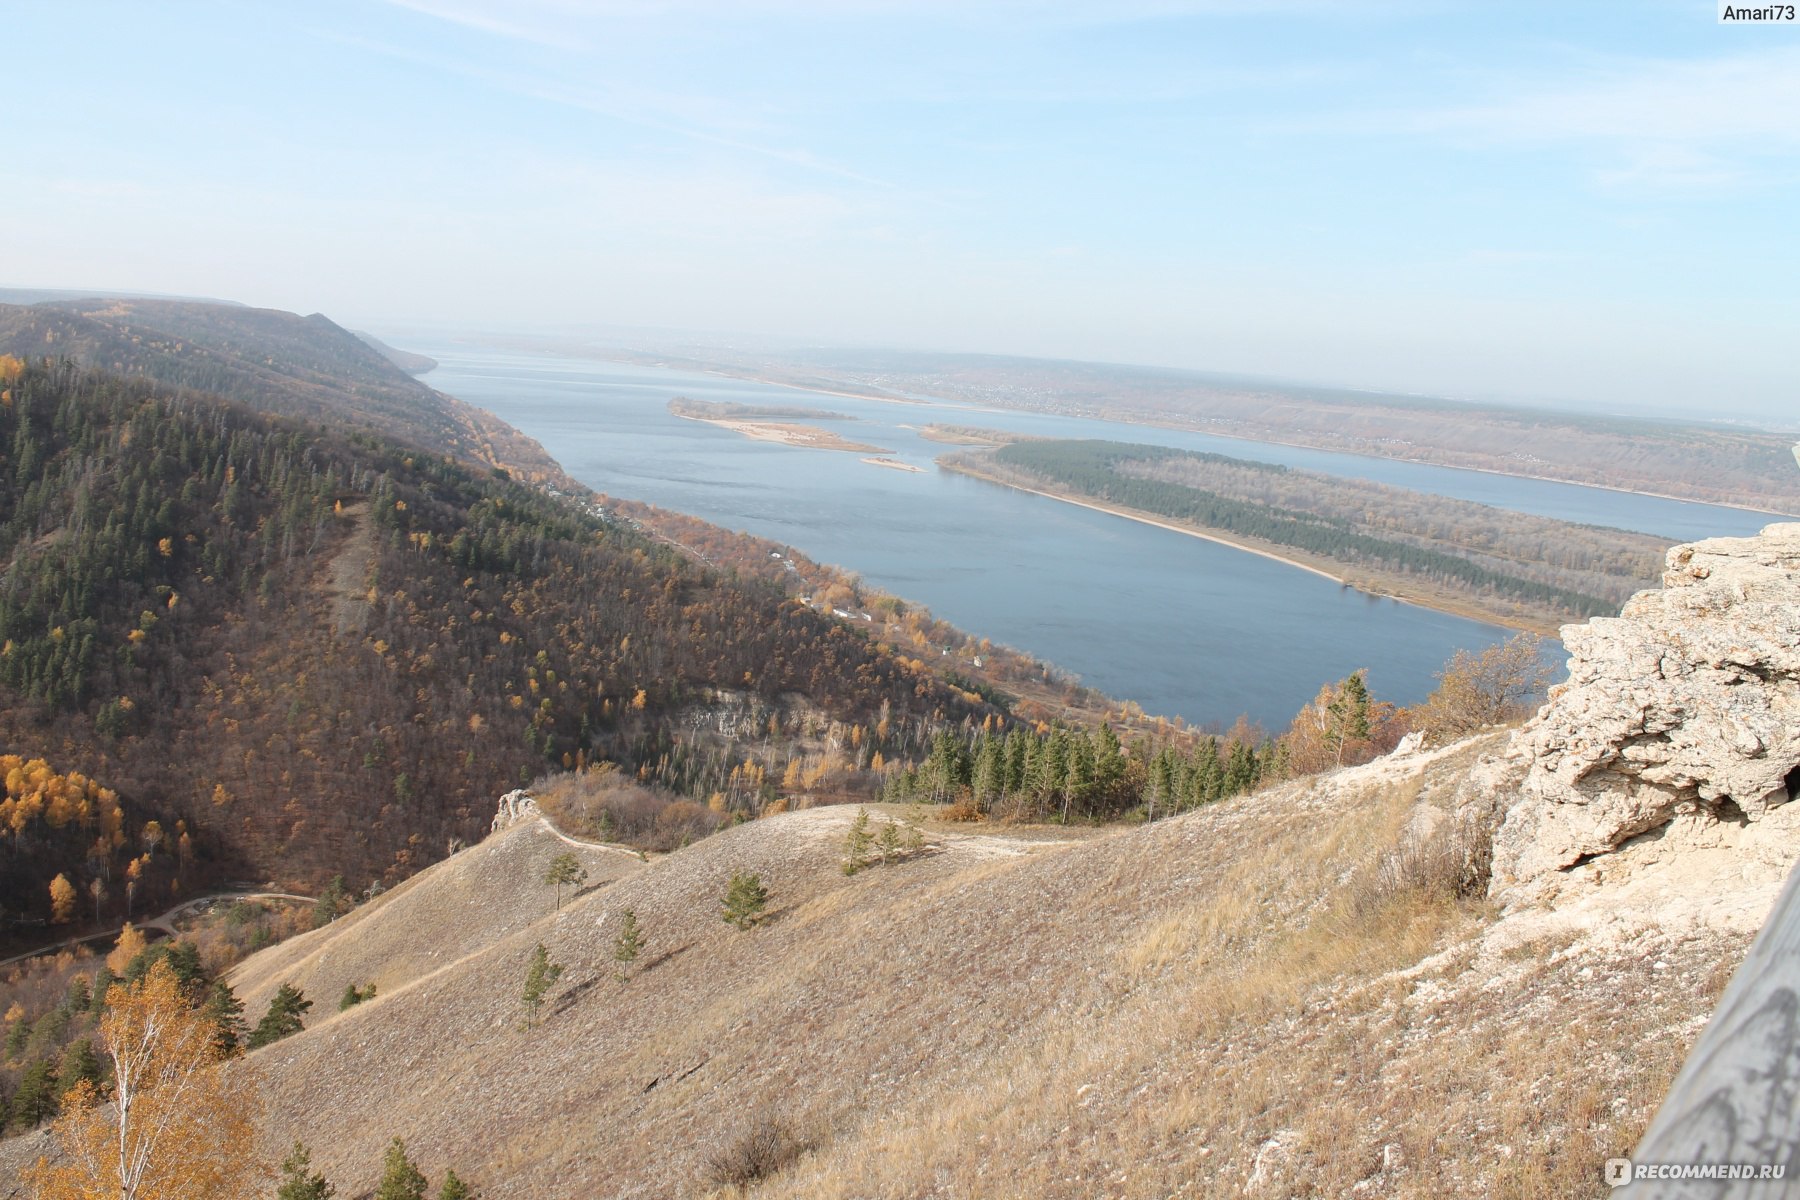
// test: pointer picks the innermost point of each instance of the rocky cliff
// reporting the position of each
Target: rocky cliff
(1679, 728)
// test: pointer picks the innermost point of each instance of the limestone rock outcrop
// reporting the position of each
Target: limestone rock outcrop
(517, 805)
(1684, 708)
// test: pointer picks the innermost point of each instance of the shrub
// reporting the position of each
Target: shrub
(757, 1154)
(1486, 689)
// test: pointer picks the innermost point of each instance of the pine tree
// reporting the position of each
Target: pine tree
(298, 1182)
(36, 1098)
(1349, 714)
(887, 843)
(225, 1012)
(332, 903)
(745, 899)
(540, 973)
(629, 944)
(283, 1017)
(79, 1065)
(103, 982)
(914, 841)
(856, 843)
(400, 1178)
(565, 870)
(456, 1189)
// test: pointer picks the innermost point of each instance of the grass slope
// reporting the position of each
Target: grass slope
(1228, 1002)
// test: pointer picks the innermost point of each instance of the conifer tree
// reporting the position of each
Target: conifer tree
(400, 1178)
(332, 903)
(565, 870)
(856, 843)
(35, 1100)
(629, 944)
(745, 899)
(887, 842)
(283, 1017)
(18, 1034)
(540, 973)
(79, 1065)
(455, 1189)
(103, 981)
(1349, 714)
(225, 1012)
(298, 1181)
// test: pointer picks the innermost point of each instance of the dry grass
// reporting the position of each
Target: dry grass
(1287, 994)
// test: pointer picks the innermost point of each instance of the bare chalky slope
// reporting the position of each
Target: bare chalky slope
(1263, 994)
(458, 908)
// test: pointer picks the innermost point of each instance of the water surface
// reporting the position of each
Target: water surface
(1181, 625)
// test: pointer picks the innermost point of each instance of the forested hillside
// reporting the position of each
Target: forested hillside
(276, 362)
(323, 653)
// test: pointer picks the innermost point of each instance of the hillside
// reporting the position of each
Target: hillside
(1467, 970)
(1229, 1001)
(306, 368)
(320, 653)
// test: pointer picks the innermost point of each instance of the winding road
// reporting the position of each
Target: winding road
(165, 922)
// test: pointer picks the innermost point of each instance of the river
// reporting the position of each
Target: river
(1180, 625)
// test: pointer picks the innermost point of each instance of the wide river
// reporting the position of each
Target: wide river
(1181, 625)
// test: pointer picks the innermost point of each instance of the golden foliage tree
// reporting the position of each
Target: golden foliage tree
(62, 900)
(131, 943)
(180, 1127)
(1476, 690)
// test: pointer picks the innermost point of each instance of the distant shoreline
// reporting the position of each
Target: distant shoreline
(1267, 441)
(1452, 607)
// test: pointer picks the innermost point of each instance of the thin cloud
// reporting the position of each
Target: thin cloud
(481, 18)
(630, 107)
(1701, 124)
(1751, 96)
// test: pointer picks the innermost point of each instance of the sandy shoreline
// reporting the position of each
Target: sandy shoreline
(807, 437)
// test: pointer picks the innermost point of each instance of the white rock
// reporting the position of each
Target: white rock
(1687, 703)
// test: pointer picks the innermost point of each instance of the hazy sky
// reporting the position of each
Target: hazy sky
(1583, 200)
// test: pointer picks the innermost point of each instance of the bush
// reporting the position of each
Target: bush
(758, 1153)
(1451, 862)
(1490, 688)
(607, 805)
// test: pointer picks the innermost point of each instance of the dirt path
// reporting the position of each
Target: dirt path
(346, 581)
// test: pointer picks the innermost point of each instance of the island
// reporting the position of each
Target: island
(763, 423)
(1457, 556)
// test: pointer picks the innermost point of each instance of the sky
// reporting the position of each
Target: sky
(1583, 202)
